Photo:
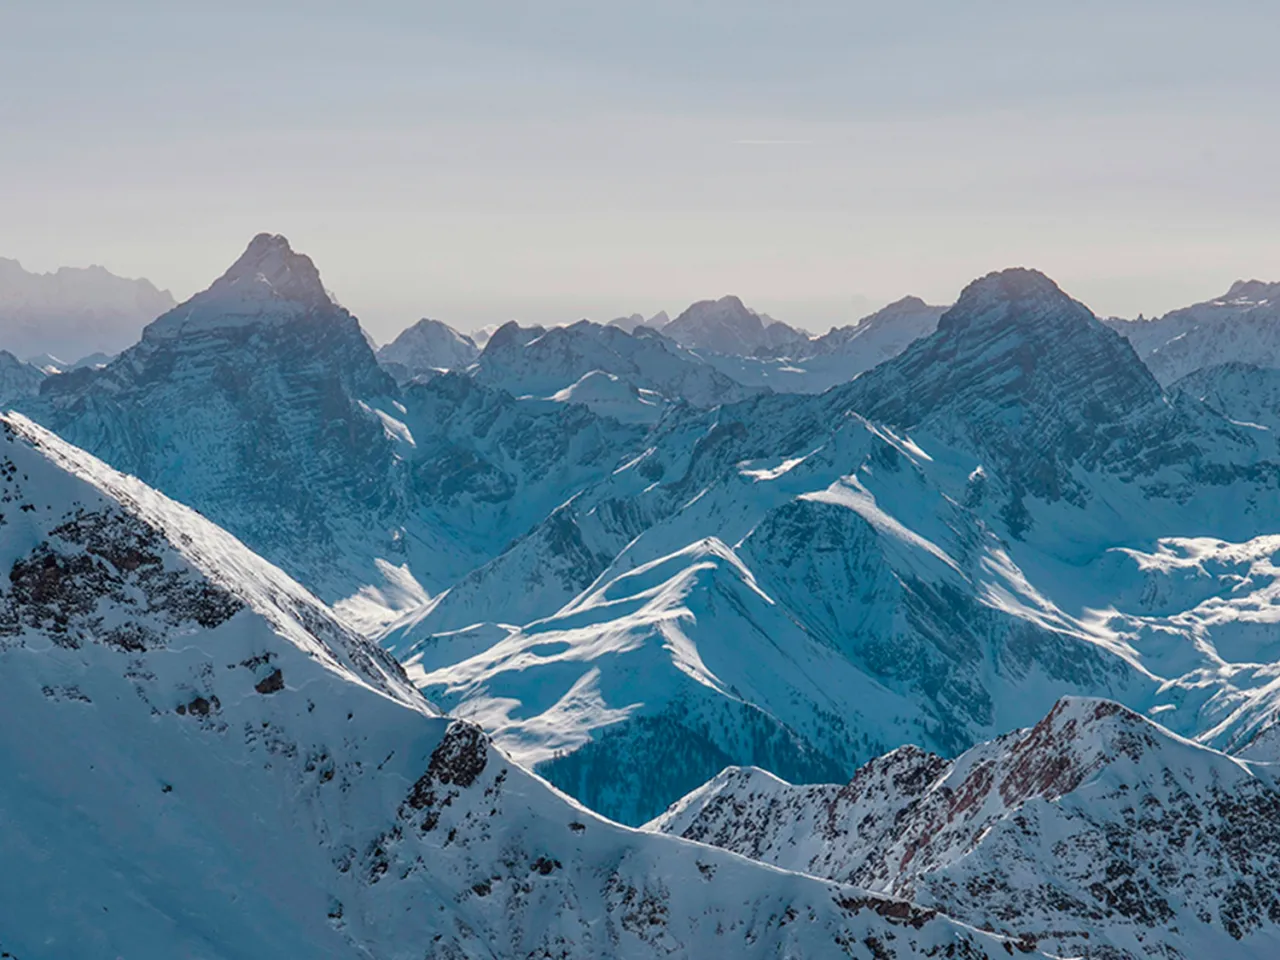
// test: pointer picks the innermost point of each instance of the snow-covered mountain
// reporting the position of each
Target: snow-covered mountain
(1010, 511)
(18, 379)
(1030, 382)
(73, 311)
(820, 363)
(730, 327)
(260, 403)
(1094, 833)
(1243, 325)
(541, 362)
(884, 334)
(636, 320)
(202, 760)
(426, 348)
(1243, 392)
(858, 610)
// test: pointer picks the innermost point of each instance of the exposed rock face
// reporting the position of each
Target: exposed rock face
(247, 402)
(425, 349)
(1093, 833)
(242, 776)
(1004, 359)
(1033, 384)
(1242, 326)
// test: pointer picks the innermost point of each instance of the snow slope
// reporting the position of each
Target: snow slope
(855, 612)
(1242, 392)
(238, 775)
(1094, 833)
(608, 395)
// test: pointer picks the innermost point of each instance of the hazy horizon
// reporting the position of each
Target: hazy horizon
(491, 163)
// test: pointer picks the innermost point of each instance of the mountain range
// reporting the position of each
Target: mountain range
(259, 402)
(931, 554)
(786, 595)
(73, 311)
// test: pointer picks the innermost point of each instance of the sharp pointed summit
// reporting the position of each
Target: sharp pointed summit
(270, 268)
(269, 282)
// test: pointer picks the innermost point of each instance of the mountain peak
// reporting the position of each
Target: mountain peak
(1253, 291)
(269, 282)
(724, 326)
(909, 302)
(270, 269)
(1018, 303)
(1016, 287)
(1015, 369)
(427, 346)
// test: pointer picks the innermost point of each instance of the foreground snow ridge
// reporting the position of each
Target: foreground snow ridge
(202, 761)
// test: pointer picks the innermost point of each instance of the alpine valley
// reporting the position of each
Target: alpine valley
(954, 632)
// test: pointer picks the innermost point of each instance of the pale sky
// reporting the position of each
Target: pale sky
(480, 161)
